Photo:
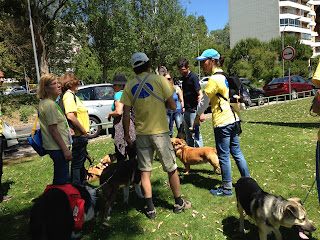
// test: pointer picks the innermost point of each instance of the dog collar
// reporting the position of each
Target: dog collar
(181, 147)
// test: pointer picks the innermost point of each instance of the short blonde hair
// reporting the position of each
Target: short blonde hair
(68, 81)
(44, 82)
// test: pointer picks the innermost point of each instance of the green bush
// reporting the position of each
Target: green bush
(25, 111)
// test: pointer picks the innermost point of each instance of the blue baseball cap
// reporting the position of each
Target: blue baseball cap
(209, 53)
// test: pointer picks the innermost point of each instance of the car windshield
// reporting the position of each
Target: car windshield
(279, 80)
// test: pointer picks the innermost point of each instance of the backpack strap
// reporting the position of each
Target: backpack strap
(146, 88)
(141, 83)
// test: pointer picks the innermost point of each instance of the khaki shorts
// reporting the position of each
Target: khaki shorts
(147, 144)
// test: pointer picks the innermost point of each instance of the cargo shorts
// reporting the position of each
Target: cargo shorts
(161, 143)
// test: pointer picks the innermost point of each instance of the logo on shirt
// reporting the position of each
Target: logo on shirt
(143, 93)
(226, 82)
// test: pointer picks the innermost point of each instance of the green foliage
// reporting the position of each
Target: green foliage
(222, 36)
(25, 111)
(14, 102)
(87, 66)
(257, 60)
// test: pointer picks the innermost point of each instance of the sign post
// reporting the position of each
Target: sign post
(287, 55)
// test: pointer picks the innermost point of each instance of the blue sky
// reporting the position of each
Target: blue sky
(215, 12)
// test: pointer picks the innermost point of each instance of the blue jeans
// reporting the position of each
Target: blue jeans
(174, 117)
(60, 167)
(191, 140)
(227, 141)
(79, 156)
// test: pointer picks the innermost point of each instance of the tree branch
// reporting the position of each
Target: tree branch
(62, 3)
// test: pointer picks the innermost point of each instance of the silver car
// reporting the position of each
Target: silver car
(9, 135)
(15, 91)
(98, 98)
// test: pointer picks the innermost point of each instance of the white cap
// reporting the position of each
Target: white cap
(138, 58)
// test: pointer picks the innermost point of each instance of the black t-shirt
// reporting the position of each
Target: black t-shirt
(190, 86)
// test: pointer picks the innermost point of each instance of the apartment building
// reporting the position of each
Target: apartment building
(267, 19)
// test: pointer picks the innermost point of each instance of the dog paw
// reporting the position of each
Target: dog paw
(106, 224)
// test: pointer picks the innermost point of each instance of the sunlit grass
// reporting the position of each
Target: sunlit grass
(278, 142)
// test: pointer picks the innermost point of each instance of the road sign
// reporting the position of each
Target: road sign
(287, 53)
(162, 70)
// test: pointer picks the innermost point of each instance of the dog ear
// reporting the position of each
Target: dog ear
(293, 210)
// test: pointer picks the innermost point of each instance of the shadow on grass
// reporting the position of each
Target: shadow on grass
(195, 178)
(5, 187)
(295, 125)
(231, 231)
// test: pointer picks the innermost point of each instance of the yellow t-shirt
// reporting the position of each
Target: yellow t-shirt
(79, 110)
(150, 113)
(222, 114)
(49, 115)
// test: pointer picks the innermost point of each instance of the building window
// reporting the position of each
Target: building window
(305, 36)
(289, 22)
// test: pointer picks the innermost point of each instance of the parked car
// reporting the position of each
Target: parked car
(255, 94)
(15, 91)
(98, 98)
(203, 82)
(280, 86)
(9, 132)
(244, 80)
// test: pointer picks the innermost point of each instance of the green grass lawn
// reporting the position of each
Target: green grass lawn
(278, 142)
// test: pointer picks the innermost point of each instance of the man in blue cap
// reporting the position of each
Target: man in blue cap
(191, 95)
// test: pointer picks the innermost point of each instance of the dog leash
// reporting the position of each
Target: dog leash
(309, 191)
(97, 188)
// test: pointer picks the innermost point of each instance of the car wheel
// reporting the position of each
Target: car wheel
(261, 100)
(294, 94)
(94, 131)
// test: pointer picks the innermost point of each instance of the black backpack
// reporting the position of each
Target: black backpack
(61, 105)
(235, 87)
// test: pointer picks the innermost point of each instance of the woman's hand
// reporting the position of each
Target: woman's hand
(67, 155)
(196, 121)
(129, 141)
(202, 117)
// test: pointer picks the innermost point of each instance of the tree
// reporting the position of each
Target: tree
(87, 66)
(15, 50)
(44, 14)
(222, 36)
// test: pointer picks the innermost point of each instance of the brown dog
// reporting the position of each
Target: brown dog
(193, 156)
(94, 172)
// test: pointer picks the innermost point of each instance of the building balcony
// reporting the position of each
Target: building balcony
(306, 42)
(294, 29)
(315, 44)
(312, 13)
(312, 24)
(314, 2)
(294, 5)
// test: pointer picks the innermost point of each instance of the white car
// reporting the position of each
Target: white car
(98, 98)
(9, 133)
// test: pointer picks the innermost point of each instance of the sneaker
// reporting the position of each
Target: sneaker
(180, 208)
(6, 198)
(151, 214)
(221, 192)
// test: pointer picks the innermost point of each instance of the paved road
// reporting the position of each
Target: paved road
(23, 149)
